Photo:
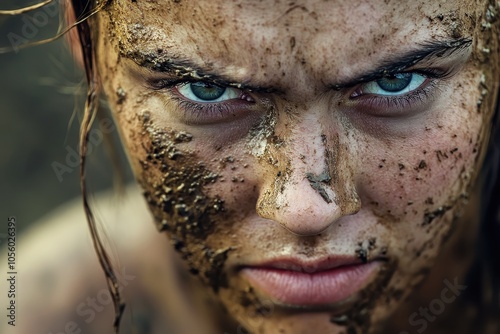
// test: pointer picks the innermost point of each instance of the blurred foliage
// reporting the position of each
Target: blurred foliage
(40, 88)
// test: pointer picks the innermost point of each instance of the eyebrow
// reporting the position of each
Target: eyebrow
(426, 52)
(187, 70)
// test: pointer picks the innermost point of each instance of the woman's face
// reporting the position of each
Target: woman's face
(306, 159)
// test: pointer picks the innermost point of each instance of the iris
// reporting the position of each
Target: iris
(207, 92)
(396, 82)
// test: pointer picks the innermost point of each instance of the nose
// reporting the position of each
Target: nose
(314, 189)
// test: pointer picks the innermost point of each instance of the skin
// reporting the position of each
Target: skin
(305, 170)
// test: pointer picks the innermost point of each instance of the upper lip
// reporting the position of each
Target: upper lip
(307, 266)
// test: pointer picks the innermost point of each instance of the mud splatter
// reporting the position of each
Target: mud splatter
(121, 95)
(364, 248)
(422, 165)
(179, 204)
(430, 216)
(318, 183)
(259, 135)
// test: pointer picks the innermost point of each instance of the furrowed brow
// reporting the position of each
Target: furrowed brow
(187, 70)
(426, 52)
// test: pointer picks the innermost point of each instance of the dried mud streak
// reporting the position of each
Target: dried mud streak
(179, 204)
(270, 150)
(338, 169)
(485, 55)
(318, 182)
(259, 136)
(430, 216)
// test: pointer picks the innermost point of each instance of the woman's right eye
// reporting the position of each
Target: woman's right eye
(203, 92)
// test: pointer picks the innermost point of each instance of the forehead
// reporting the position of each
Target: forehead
(242, 37)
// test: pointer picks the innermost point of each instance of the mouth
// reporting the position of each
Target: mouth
(294, 282)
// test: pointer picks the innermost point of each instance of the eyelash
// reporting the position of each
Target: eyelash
(405, 101)
(202, 110)
(219, 110)
(398, 105)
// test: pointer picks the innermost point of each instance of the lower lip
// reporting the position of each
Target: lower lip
(319, 288)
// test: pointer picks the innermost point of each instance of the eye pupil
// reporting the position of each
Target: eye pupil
(206, 91)
(396, 82)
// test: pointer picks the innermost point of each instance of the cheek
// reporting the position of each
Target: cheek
(408, 179)
(198, 191)
(417, 177)
(180, 188)
(192, 181)
(416, 186)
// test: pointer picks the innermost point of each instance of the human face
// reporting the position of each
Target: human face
(307, 158)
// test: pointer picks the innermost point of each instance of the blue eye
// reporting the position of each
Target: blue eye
(396, 84)
(207, 92)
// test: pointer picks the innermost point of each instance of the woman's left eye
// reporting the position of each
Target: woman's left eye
(394, 85)
(207, 92)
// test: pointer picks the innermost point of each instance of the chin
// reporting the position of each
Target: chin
(304, 323)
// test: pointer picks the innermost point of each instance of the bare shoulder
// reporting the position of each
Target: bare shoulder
(60, 286)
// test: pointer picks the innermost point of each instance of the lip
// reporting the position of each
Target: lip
(301, 283)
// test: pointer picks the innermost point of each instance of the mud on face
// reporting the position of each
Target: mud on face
(180, 206)
(392, 175)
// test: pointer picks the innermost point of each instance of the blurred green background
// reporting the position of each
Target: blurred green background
(40, 87)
